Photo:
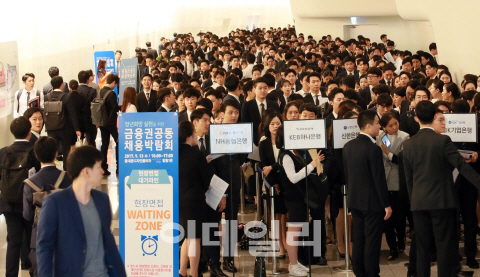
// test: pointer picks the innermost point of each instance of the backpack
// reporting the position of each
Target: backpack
(54, 113)
(29, 105)
(99, 109)
(40, 194)
(14, 170)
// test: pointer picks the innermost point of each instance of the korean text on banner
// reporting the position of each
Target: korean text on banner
(344, 130)
(461, 127)
(128, 76)
(109, 57)
(304, 134)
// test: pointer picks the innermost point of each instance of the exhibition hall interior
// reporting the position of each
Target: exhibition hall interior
(132, 39)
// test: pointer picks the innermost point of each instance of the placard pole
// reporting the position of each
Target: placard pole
(242, 195)
(308, 227)
(346, 267)
(231, 217)
(273, 234)
(258, 192)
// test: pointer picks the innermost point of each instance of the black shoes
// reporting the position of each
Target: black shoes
(393, 255)
(217, 272)
(472, 264)
(322, 261)
(228, 266)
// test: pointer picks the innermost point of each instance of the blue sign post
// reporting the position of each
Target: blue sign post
(128, 76)
(109, 57)
(148, 193)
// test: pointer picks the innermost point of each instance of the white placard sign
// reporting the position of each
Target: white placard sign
(231, 138)
(304, 134)
(461, 127)
(344, 130)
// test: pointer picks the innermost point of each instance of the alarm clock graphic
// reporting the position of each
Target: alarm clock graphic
(149, 245)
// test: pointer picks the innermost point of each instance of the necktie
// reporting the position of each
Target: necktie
(202, 145)
(388, 83)
(316, 99)
(293, 90)
(262, 109)
(148, 96)
(28, 98)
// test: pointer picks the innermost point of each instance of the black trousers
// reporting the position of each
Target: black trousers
(319, 214)
(64, 139)
(231, 210)
(467, 196)
(396, 224)
(91, 134)
(19, 233)
(213, 251)
(443, 224)
(106, 132)
(367, 239)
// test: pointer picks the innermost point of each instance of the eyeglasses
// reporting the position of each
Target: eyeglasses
(372, 76)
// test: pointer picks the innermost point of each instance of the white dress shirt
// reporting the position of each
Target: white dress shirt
(259, 107)
(292, 175)
(247, 72)
(165, 107)
(369, 136)
(18, 110)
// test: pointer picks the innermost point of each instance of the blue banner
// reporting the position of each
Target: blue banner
(109, 58)
(128, 76)
(148, 193)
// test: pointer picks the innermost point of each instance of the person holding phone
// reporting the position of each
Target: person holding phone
(391, 140)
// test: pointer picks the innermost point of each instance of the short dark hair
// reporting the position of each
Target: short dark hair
(375, 71)
(250, 58)
(206, 103)
(53, 71)
(45, 149)
(313, 74)
(290, 71)
(334, 92)
(177, 77)
(402, 92)
(348, 81)
(217, 94)
(432, 46)
(20, 127)
(232, 82)
(192, 92)
(260, 80)
(460, 106)
(384, 100)
(113, 78)
(27, 75)
(270, 80)
(149, 56)
(279, 140)
(380, 89)
(366, 117)
(425, 111)
(56, 82)
(147, 75)
(162, 93)
(30, 111)
(230, 102)
(308, 107)
(82, 157)
(443, 103)
(199, 113)
(421, 88)
(83, 76)
(73, 84)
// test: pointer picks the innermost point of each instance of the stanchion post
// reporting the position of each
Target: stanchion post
(242, 194)
(273, 235)
(258, 216)
(346, 267)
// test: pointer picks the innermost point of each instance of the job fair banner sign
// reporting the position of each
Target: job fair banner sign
(304, 134)
(109, 57)
(127, 73)
(148, 193)
(344, 130)
(461, 127)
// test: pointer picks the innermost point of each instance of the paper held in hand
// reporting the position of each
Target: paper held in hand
(216, 191)
(313, 153)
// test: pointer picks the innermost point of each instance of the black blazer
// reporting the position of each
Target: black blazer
(45, 178)
(429, 159)
(408, 123)
(250, 113)
(182, 116)
(222, 169)
(267, 158)
(111, 106)
(355, 74)
(153, 52)
(87, 92)
(82, 110)
(146, 106)
(365, 175)
(142, 70)
(33, 139)
(71, 116)
(365, 94)
(194, 176)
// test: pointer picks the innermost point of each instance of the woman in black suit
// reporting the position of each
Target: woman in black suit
(269, 158)
(194, 182)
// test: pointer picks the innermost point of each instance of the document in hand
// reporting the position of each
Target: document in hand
(216, 191)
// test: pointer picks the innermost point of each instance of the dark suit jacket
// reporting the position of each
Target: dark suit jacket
(365, 175)
(408, 123)
(142, 70)
(153, 52)
(111, 106)
(182, 116)
(44, 179)
(146, 106)
(429, 159)
(366, 95)
(195, 176)
(87, 92)
(61, 238)
(223, 165)
(71, 116)
(82, 109)
(298, 85)
(267, 158)
(33, 139)
(48, 88)
(355, 74)
(17, 146)
(250, 113)
(207, 83)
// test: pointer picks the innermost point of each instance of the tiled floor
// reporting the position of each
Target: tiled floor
(245, 261)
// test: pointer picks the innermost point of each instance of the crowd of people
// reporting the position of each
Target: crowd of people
(264, 77)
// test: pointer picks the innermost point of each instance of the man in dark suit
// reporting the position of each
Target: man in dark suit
(53, 72)
(81, 107)
(223, 166)
(66, 135)
(110, 129)
(142, 70)
(368, 194)
(147, 99)
(89, 94)
(35, 116)
(46, 150)
(17, 226)
(167, 99)
(64, 231)
(252, 111)
(374, 76)
(151, 51)
(429, 160)
(408, 123)
(384, 105)
(349, 64)
(232, 83)
(191, 96)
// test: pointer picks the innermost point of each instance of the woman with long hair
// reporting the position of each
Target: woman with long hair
(102, 73)
(129, 97)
